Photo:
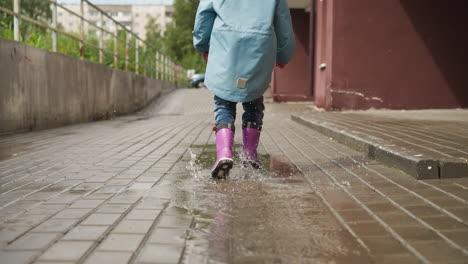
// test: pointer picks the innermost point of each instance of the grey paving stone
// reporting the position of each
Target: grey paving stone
(55, 225)
(72, 213)
(66, 251)
(137, 214)
(416, 233)
(168, 236)
(9, 233)
(114, 208)
(108, 257)
(91, 233)
(366, 229)
(17, 257)
(443, 223)
(158, 253)
(133, 226)
(439, 252)
(101, 219)
(33, 241)
(174, 221)
(121, 242)
(86, 204)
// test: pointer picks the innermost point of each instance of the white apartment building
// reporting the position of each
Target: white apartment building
(134, 14)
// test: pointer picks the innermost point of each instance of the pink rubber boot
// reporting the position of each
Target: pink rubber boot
(251, 137)
(224, 161)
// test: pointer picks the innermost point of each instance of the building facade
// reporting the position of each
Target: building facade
(361, 54)
(132, 14)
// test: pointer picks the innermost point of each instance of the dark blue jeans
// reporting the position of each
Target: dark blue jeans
(225, 112)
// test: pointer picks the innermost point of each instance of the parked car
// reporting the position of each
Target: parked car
(197, 80)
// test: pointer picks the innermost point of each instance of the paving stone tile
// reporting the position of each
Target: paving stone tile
(72, 213)
(396, 258)
(117, 182)
(101, 219)
(99, 196)
(168, 236)
(382, 207)
(33, 241)
(416, 233)
(17, 257)
(114, 208)
(66, 251)
(460, 237)
(356, 216)
(158, 253)
(86, 204)
(443, 223)
(174, 221)
(133, 226)
(47, 209)
(91, 233)
(27, 220)
(366, 229)
(121, 242)
(423, 210)
(137, 214)
(140, 186)
(9, 233)
(384, 245)
(397, 219)
(55, 225)
(152, 204)
(439, 252)
(109, 257)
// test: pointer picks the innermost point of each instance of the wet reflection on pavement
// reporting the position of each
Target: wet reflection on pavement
(265, 216)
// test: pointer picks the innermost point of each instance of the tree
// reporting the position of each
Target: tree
(178, 41)
(154, 37)
(35, 9)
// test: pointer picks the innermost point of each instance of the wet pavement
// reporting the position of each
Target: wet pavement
(137, 189)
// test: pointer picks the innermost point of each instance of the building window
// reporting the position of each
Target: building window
(60, 14)
(125, 13)
(113, 14)
(93, 13)
(168, 13)
(137, 14)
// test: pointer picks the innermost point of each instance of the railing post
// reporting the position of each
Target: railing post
(16, 9)
(54, 25)
(136, 56)
(166, 62)
(101, 18)
(156, 68)
(126, 50)
(163, 67)
(81, 29)
(115, 45)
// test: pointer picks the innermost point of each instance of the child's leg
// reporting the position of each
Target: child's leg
(252, 122)
(225, 115)
(225, 112)
(253, 114)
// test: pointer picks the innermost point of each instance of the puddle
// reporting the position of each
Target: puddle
(256, 216)
(11, 151)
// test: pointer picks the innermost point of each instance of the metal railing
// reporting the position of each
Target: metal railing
(160, 67)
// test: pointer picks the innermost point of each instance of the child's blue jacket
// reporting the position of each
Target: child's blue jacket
(244, 39)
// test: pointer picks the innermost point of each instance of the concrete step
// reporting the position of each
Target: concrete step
(415, 151)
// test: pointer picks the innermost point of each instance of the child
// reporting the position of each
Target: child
(245, 38)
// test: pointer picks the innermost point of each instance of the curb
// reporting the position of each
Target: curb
(419, 168)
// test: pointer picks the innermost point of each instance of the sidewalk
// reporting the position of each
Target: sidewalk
(427, 144)
(137, 189)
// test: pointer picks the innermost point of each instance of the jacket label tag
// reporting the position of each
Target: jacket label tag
(241, 83)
